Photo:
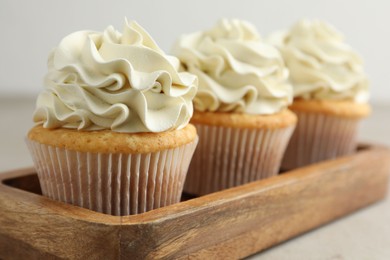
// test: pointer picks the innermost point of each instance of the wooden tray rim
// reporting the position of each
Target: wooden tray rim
(185, 207)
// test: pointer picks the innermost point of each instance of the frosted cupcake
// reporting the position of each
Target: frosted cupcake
(240, 107)
(112, 131)
(330, 92)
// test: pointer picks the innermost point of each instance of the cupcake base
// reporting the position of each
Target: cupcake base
(325, 130)
(320, 137)
(229, 156)
(116, 184)
(102, 170)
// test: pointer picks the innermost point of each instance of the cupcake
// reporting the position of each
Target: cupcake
(330, 92)
(240, 107)
(112, 132)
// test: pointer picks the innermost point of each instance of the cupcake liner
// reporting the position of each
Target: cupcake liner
(116, 184)
(228, 157)
(320, 137)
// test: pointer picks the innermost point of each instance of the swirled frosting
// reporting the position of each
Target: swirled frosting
(321, 64)
(237, 72)
(118, 81)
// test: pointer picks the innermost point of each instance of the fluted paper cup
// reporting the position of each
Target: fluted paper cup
(228, 157)
(115, 184)
(320, 137)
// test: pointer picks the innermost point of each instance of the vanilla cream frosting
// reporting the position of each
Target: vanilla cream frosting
(237, 72)
(321, 64)
(118, 81)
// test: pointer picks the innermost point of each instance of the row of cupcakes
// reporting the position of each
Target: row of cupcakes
(113, 132)
(245, 86)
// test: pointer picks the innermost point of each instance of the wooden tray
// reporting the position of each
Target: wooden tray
(232, 223)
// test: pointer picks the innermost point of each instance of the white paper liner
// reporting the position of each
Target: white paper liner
(115, 184)
(319, 137)
(228, 157)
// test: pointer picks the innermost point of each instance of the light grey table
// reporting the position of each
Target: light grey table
(362, 235)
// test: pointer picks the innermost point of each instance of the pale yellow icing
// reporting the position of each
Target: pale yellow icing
(321, 64)
(237, 71)
(118, 81)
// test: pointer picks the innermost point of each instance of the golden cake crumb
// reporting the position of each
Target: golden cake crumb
(106, 141)
(282, 119)
(341, 108)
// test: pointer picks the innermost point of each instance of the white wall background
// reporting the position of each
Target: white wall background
(30, 29)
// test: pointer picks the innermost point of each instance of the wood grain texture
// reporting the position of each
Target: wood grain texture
(229, 224)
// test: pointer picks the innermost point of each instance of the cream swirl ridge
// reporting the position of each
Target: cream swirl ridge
(321, 64)
(118, 81)
(237, 72)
